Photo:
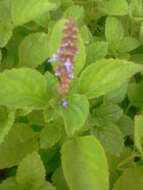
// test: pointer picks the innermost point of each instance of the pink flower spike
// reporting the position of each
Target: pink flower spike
(57, 73)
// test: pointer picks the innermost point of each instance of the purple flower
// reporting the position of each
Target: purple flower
(68, 65)
(77, 52)
(53, 59)
(60, 50)
(64, 103)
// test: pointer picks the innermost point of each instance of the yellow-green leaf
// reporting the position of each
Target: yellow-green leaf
(84, 164)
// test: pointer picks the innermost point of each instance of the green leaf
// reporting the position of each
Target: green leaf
(6, 121)
(135, 8)
(111, 138)
(31, 171)
(116, 96)
(75, 114)
(86, 34)
(11, 59)
(46, 186)
(96, 51)
(106, 75)
(50, 135)
(33, 50)
(76, 12)
(19, 142)
(108, 112)
(5, 22)
(120, 162)
(114, 7)
(24, 12)
(126, 125)
(10, 184)
(55, 43)
(131, 179)
(127, 44)
(135, 94)
(114, 31)
(59, 180)
(141, 33)
(36, 117)
(52, 83)
(138, 137)
(84, 164)
(5, 34)
(0, 56)
(23, 88)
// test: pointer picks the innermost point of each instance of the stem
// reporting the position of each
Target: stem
(128, 159)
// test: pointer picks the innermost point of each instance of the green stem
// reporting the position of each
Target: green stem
(127, 160)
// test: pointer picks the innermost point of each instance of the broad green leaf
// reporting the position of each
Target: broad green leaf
(138, 137)
(55, 43)
(111, 138)
(5, 22)
(114, 31)
(10, 184)
(66, 4)
(135, 94)
(23, 88)
(114, 7)
(84, 164)
(24, 12)
(36, 117)
(50, 135)
(6, 121)
(96, 51)
(0, 56)
(105, 76)
(86, 34)
(76, 12)
(52, 84)
(11, 59)
(5, 11)
(126, 125)
(131, 179)
(5, 34)
(108, 112)
(116, 96)
(46, 186)
(75, 114)
(31, 171)
(141, 32)
(135, 9)
(127, 44)
(59, 180)
(33, 50)
(19, 142)
(137, 58)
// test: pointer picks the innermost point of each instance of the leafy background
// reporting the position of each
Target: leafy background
(96, 142)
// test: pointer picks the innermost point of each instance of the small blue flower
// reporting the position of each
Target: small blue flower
(68, 65)
(53, 59)
(64, 103)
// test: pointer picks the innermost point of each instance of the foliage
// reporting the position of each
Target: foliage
(71, 94)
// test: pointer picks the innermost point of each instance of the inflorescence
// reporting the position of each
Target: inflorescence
(66, 59)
